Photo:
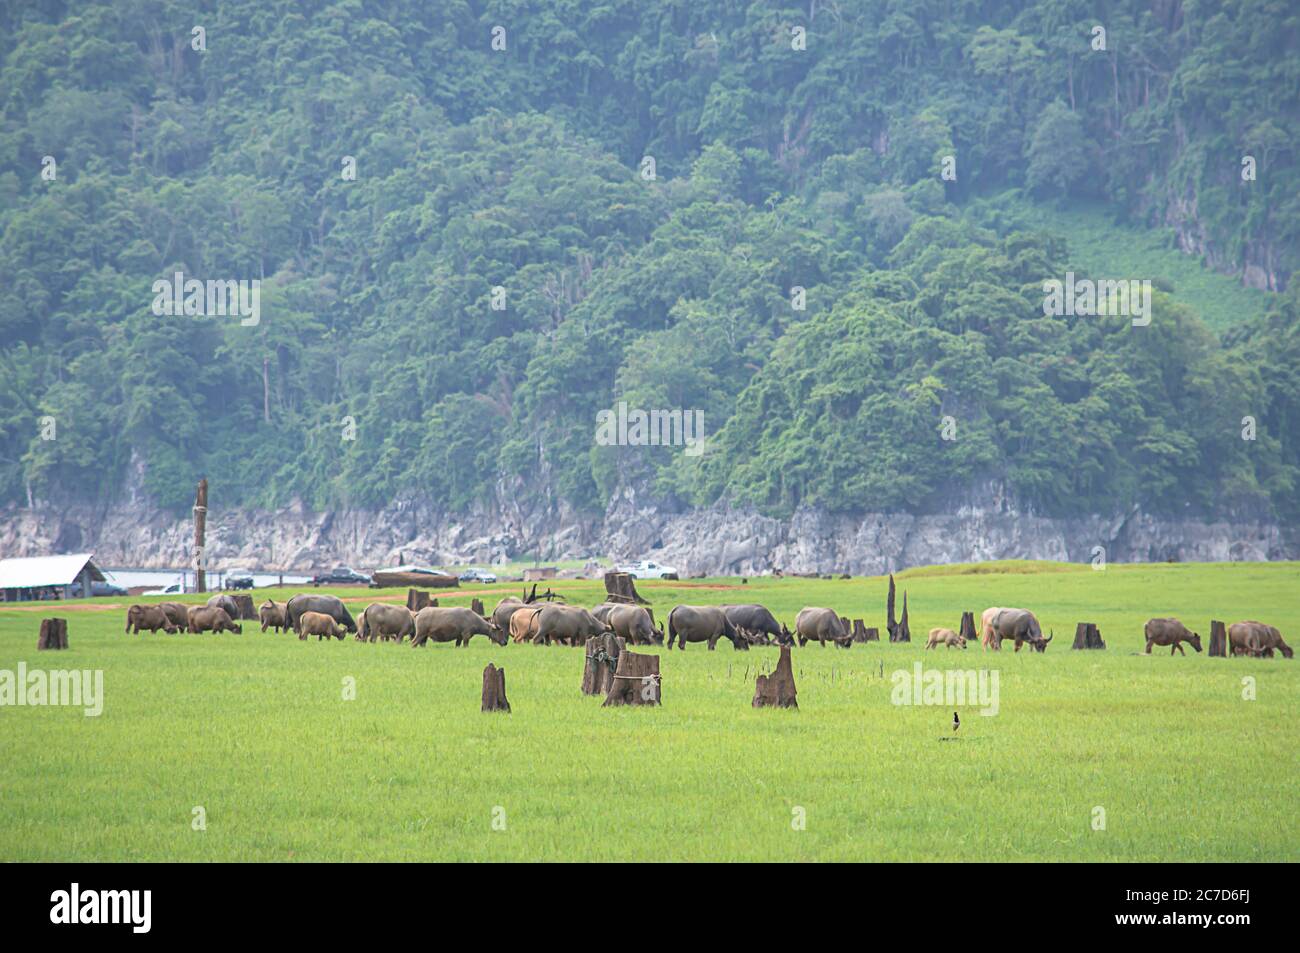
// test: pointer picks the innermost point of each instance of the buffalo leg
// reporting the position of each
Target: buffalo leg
(1149, 644)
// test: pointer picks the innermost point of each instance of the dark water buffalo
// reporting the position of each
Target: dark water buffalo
(228, 603)
(1172, 633)
(387, 622)
(452, 624)
(824, 625)
(1019, 625)
(271, 616)
(633, 623)
(214, 618)
(320, 625)
(755, 618)
(148, 617)
(603, 610)
(507, 607)
(177, 612)
(331, 606)
(702, 624)
(1257, 640)
(571, 625)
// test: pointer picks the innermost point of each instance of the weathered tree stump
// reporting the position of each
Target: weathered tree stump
(1218, 639)
(902, 631)
(890, 622)
(620, 587)
(777, 690)
(246, 608)
(968, 627)
(417, 599)
(601, 661)
(494, 689)
(477, 605)
(635, 681)
(54, 634)
(1087, 636)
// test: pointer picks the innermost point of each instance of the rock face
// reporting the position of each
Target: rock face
(715, 540)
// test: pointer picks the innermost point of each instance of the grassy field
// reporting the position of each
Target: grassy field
(254, 730)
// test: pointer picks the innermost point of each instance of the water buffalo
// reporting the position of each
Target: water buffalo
(702, 624)
(1172, 633)
(633, 624)
(1257, 640)
(387, 622)
(272, 616)
(945, 637)
(814, 622)
(987, 637)
(152, 618)
(1020, 625)
(755, 618)
(177, 612)
(228, 603)
(523, 623)
(571, 625)
(331, 606)
(452, 624)
(504, 610)
(320, 625)
(214, 618)
(603, 610)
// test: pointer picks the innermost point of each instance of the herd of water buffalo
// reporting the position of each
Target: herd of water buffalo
(546, 623)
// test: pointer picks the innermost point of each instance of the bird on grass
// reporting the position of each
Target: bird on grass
(956, 722)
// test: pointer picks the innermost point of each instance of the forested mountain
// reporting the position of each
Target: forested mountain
(647, 182)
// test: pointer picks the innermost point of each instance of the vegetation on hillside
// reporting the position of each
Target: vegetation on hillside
(775, 167)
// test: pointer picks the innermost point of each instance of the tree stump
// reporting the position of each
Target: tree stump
(635, 681)
(601, 661)
(246, 608)
(902, 631)
(622, 586)
(494, 689)
(968, 627)
(417, 599)
(1218, 639)
(1087, 636)
(477, 605)
(777, 690)
(890, 622)
(54, 634)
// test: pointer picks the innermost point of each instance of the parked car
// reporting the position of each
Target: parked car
(646, 569)
(175, 589)
(97, 589)
(477, 574)
(341, 575)
(239, 580)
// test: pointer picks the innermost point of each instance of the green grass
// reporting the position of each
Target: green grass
(253, 728)
(1103, 248)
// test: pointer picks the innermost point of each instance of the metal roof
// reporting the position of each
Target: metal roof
(33, 571)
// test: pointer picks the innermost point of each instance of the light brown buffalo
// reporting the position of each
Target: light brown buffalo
(523, 623)
(211, 618)
(1257, 640)
(148, 617)
(272, 616)
(945, 637)
(320, 625)
(1172, 633)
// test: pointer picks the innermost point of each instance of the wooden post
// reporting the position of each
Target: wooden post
(1218, 639)
(54, 634)
(200, 528)
(494, 689)
(246, 608)
(777, 690)
(635, 681)
(601, 660)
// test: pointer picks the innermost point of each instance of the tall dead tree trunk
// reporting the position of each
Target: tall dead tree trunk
(902, 631)
(54, 634)
(200, 530)
(1218, 639)
(777, 690)
(494, 689)
(636, 680)
(890, 623)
